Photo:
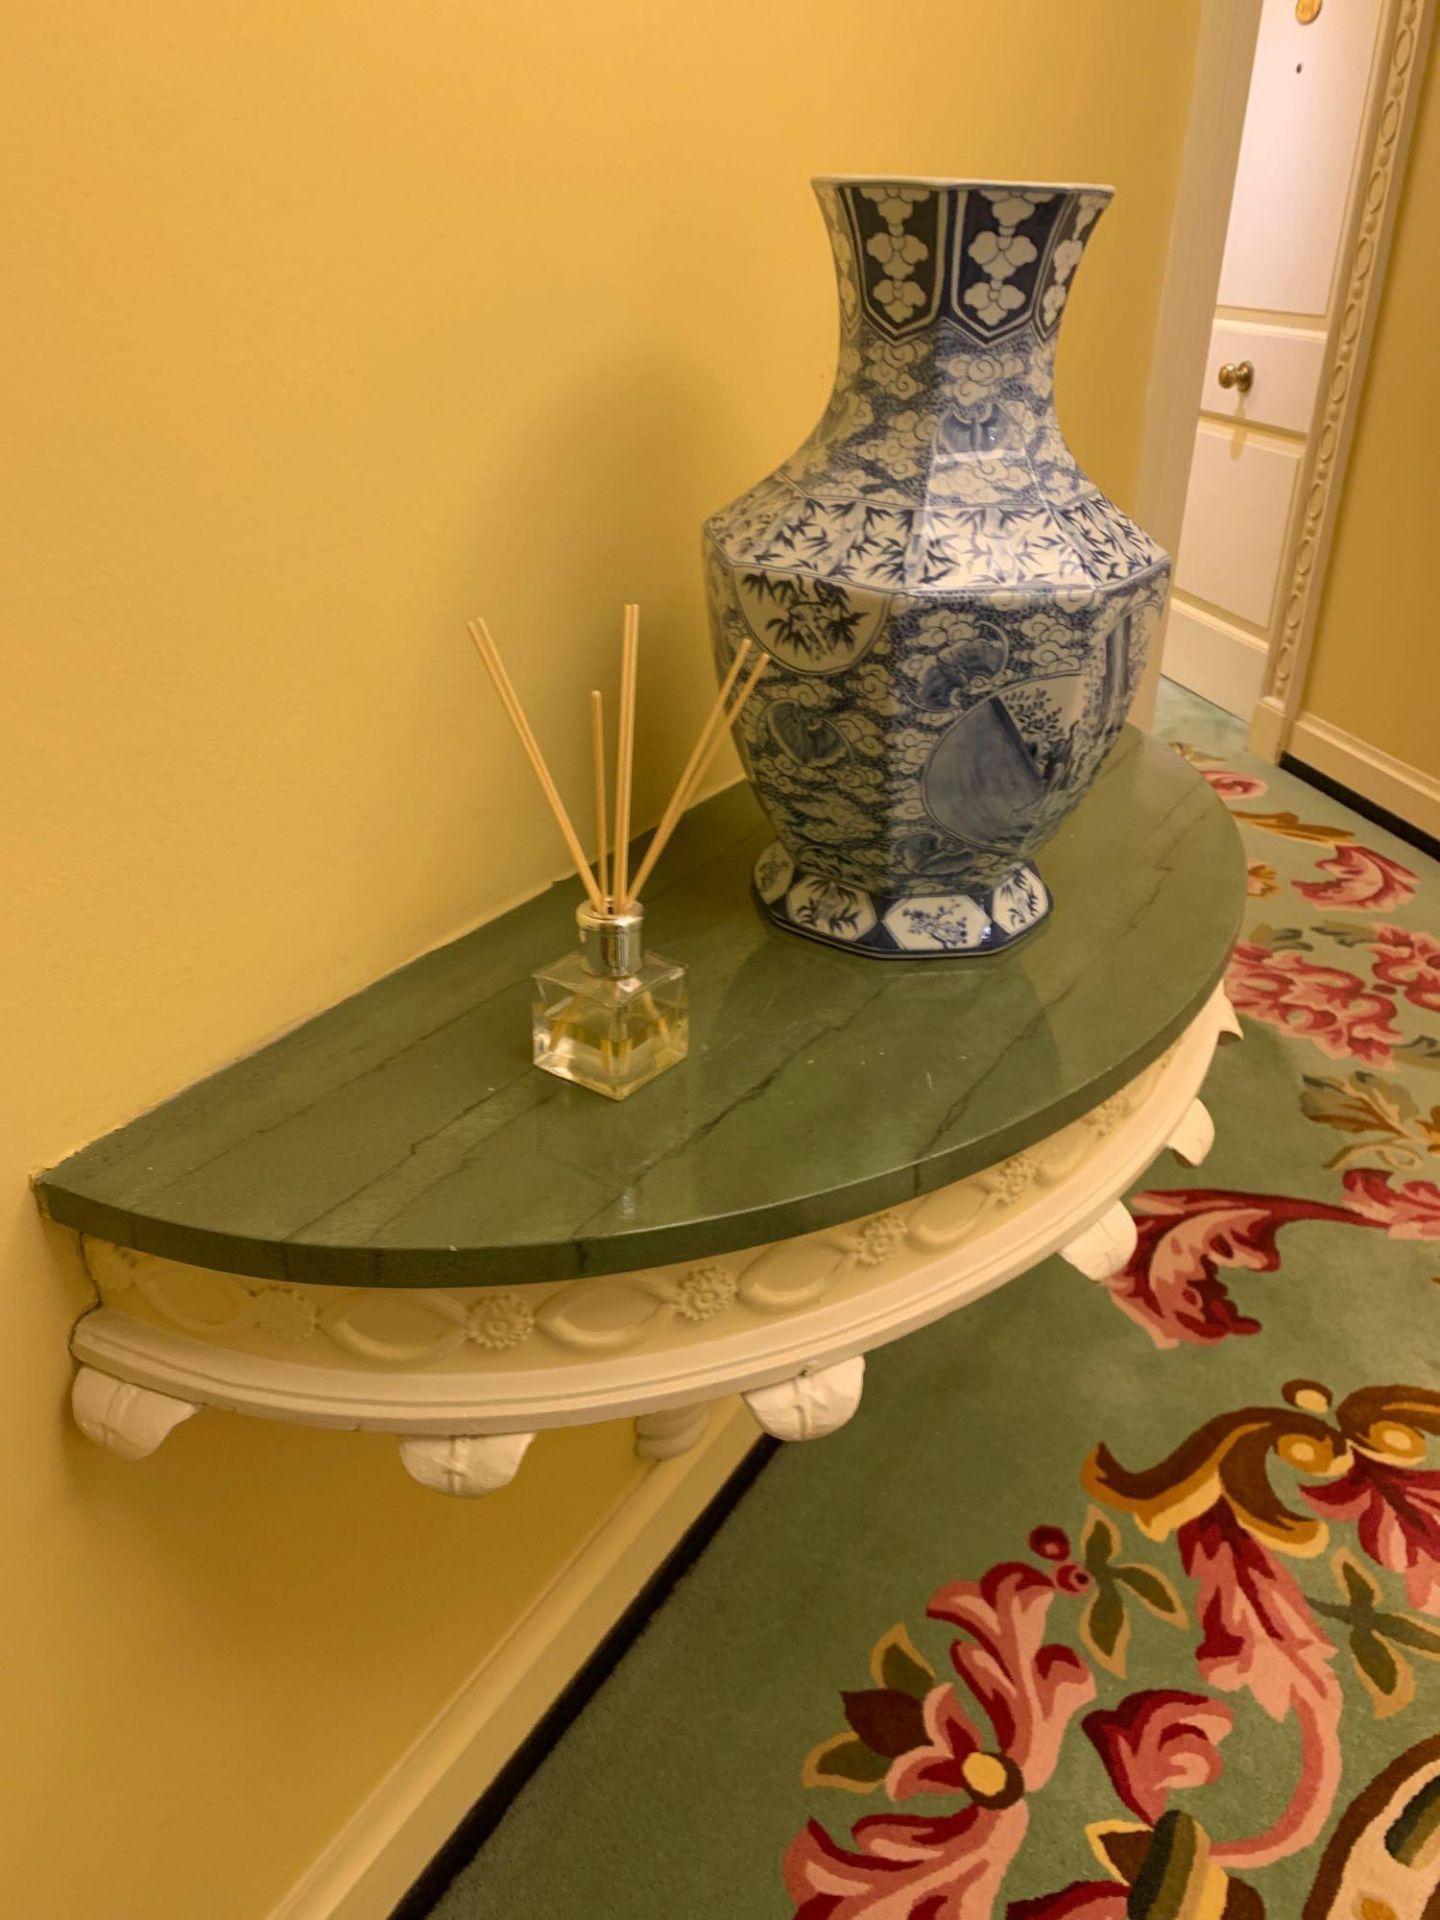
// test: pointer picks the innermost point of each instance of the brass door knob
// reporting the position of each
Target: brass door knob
(1237, 373)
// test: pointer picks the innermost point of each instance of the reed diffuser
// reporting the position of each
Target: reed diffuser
(610, 1016)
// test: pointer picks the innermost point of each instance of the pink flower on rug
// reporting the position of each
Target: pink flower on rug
(1407, 1212)
(1410, 961)
(1030, 1691)
(938, 1764)
(1362, 879)
(1333, 1008)
(1397, 1516)
(953, 1867)
(1156, 1741)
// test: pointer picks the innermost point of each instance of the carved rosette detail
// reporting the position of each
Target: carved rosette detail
(704, 1292)
(499, 1321)
(481, 1329)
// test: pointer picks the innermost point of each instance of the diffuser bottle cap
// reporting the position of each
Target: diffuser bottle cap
(611, 944)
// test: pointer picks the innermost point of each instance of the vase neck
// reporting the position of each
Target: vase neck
(938, 467)
(985, 267)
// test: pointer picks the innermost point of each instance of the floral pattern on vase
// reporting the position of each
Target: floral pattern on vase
(956, 618)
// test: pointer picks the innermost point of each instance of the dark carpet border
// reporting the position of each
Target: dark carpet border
(488, 1811)
(1368, 809)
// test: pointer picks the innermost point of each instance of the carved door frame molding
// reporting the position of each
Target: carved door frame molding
(1390, 110)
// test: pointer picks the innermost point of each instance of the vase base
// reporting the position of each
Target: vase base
(921, 926)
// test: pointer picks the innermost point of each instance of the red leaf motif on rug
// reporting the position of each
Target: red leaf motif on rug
(906, 1868)
(1360, 878)
(1260, 1637)
(1410, 961)
(1327, 1005)
(1156, 1741)
(1396, 1511)
(1086, 1900)
(1408, 1212)
(1171, 1284)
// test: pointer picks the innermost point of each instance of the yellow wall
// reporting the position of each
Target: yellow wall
(1373, 668)
(339, 320)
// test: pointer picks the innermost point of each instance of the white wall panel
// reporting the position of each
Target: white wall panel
(1307, 99)
(1241, 485)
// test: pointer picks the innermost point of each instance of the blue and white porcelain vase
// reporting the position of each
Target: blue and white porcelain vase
(956, 617)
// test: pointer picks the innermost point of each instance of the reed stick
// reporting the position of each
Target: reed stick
(717, 725)
(625, 754)
(510, 700)
(602, 830)
(675, 805)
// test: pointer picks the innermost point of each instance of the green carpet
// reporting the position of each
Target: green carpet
(1111, 1601)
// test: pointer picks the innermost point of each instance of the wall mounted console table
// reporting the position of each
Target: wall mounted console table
(388, 1219)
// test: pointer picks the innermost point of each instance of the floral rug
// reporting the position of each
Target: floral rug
(1113, 1601)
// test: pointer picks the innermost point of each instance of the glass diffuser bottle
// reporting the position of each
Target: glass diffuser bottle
(606, 1017)
(610, 1017)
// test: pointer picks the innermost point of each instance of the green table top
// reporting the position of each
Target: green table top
(403, 1139)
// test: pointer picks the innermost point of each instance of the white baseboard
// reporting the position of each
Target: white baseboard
(1210, 657)
(397, 1830)
(1399, 788)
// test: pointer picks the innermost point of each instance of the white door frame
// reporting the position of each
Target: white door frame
(1390, 109)
(1224, 60)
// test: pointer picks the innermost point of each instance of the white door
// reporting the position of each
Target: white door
(1287, 220)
